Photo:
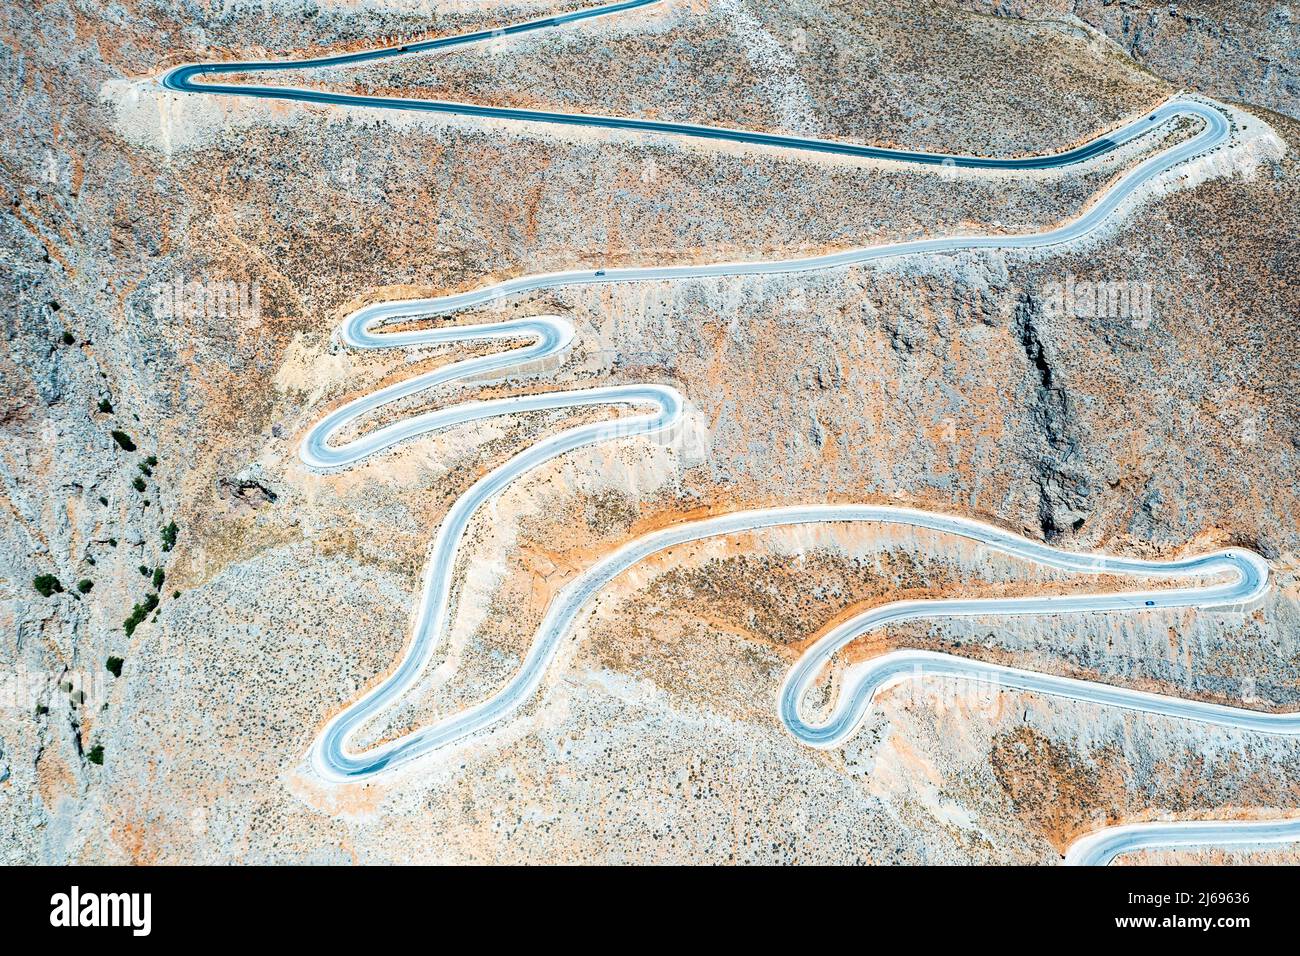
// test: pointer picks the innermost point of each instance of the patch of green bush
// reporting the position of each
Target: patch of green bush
(139, 613)
(138, 484)
(96, 755)
(46, 584)
(169, 533)
(159, 575)
(123, 440)
(84, 585)
(114, 665)
(105, 406)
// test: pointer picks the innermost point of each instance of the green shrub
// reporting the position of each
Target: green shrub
(139, 613)
(175, 594)
(68, 338)
(114, 665)
(46, 584)
(144, 570)
(96, 755)
(169, 533)
(41, 710)
(112, 542)
(138, 484)
(105, 406)
(123, 440)
(144, 469)
(158, 577)
(103, 500)
(152, 461)
(84, 585)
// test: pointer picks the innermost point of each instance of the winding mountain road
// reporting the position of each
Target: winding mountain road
(1101, 847)
(1232, 577)
(188, 78)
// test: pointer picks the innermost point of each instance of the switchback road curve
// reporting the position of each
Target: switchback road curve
(1100, 848)
(1238, 577)
(188, 78)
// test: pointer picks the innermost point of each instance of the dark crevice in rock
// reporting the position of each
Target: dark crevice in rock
(246, 493)
(1051, 405)
(1064, 489)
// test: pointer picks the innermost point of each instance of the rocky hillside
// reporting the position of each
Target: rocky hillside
(1242, 50)
(185, 605)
